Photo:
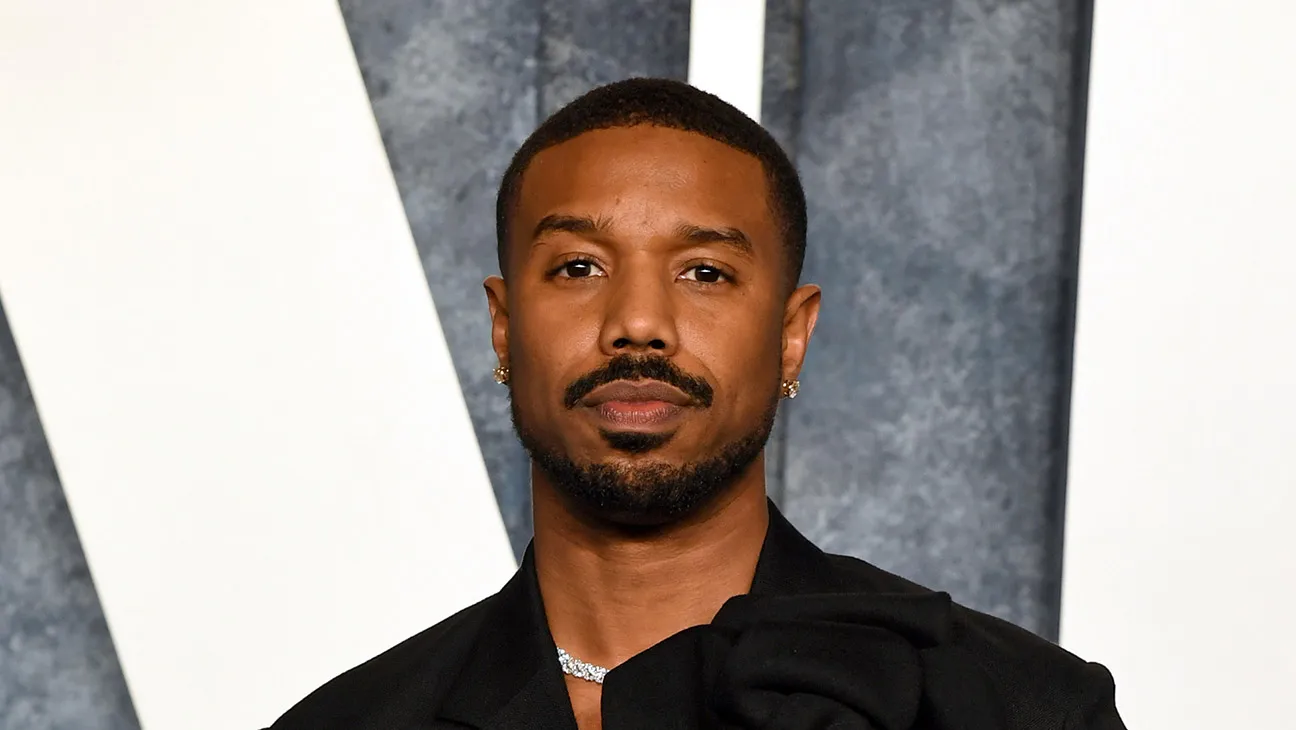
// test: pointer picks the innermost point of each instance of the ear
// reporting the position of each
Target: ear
(497, 300)
(799, 317)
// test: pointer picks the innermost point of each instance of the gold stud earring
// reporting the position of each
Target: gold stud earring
(791, 388)
(502, 374)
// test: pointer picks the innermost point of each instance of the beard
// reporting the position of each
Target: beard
(651, 492)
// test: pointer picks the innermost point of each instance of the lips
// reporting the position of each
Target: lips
(637, 405)
(625, 391)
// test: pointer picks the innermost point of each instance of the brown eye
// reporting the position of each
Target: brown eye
(705, 274)
(578, 269)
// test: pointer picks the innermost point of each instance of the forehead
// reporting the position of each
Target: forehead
(646, 174)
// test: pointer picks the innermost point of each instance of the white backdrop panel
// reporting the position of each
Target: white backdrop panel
(727, 51)
(1179, 564)
(232, 346)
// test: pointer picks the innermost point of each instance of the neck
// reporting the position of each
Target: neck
(610, 592)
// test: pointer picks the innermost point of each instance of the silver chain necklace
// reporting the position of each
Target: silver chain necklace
(579, 669)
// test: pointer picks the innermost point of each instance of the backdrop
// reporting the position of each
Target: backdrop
(940, 146)
(937, 143)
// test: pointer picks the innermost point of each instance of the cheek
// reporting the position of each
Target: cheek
(741, 348)
(549, 343)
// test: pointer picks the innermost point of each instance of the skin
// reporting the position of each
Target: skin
(642, 281)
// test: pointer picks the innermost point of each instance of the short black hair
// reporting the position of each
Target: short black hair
(674, 105)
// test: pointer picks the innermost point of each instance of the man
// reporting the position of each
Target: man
(647, 322)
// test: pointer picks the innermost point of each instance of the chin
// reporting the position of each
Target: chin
(645, 479)
(645, 490)
(636, 442)
(636, 506)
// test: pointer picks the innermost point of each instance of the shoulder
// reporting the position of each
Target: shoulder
(394, 686)
(1040, 684)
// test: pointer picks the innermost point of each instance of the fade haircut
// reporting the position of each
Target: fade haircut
(673, 105)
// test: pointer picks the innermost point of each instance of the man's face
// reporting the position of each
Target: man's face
(645, 319)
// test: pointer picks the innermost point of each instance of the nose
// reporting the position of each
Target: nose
(640, 316)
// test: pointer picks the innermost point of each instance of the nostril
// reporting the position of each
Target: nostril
(657, 345)
(621, 342)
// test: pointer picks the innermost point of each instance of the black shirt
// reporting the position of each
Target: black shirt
(821, 641)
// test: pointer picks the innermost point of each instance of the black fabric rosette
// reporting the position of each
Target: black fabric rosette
(842, 661)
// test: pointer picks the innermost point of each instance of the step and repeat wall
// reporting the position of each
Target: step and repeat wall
(249, 433)
(939, 152)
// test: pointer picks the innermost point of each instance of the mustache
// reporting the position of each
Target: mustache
(628, 367)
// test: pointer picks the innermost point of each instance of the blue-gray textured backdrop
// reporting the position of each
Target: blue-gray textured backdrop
(936, 139)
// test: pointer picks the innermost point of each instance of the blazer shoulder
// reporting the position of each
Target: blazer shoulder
(1042, 684)
(394, 686)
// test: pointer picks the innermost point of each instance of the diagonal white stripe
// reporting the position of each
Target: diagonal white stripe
(220, 309)
(726, 51)
(1179, 542)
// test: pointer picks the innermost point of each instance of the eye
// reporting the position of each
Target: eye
(705, 274)
(577, 269)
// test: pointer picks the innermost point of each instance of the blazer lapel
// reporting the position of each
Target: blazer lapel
(790, 564)
(511, 679)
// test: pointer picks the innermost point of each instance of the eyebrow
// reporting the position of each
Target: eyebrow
(729, 236)
(579, 224)
(688, 232)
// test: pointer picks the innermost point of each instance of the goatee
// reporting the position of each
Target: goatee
(651, 492)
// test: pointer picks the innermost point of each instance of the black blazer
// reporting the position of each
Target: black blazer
(822, 641)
